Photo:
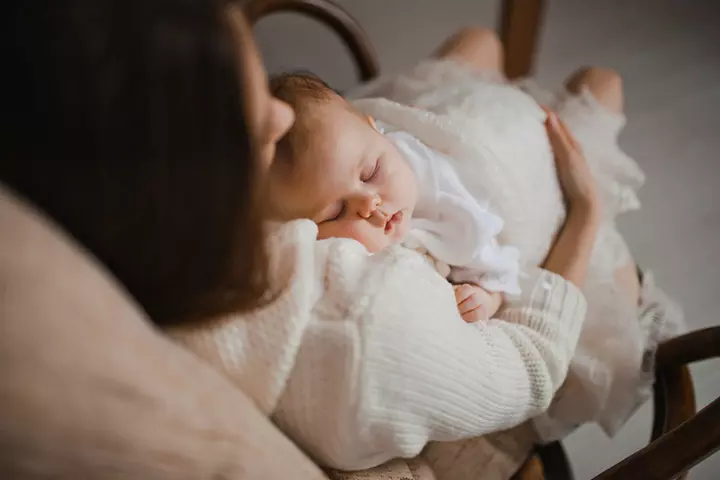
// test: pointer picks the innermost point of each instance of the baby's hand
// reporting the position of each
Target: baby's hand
(476, 303)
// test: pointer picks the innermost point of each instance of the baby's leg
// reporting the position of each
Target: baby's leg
(477, 47)
(606, 86)
(603, 83)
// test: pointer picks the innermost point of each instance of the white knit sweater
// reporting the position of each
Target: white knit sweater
(362, 358)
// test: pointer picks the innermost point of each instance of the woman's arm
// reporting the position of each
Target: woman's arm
(570, 254)
(387, 364)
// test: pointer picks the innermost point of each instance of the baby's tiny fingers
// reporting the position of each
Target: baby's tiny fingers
(462, 292)
(474, 315)
(470, 303)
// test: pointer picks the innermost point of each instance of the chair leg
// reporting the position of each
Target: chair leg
(532, 469)
(519, 29)
(555, 461)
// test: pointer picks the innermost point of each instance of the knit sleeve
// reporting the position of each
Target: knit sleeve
(388, 364)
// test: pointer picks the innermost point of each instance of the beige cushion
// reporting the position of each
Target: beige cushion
(393, 470)
(496, 456)
(88, 389)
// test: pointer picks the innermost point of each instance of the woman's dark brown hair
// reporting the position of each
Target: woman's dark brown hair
(124, 121)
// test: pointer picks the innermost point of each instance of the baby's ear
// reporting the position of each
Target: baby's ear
(372, 123)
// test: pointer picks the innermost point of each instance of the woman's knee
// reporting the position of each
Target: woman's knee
(478, 47)
(605, 84)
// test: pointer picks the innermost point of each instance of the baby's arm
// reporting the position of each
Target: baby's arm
(475, 303)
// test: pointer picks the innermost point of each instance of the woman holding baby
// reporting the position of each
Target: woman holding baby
(147, 131)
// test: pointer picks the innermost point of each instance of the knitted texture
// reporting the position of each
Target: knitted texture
(363, 358)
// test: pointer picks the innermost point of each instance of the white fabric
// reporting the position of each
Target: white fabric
(493, 134)
(362, 358)
(453, 226)
(495, 138)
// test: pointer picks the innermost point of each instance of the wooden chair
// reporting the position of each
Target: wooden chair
(681, 437)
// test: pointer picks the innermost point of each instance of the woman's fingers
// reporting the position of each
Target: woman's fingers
(569, 137)
(574, 174)
(561, 147)
(559, 128)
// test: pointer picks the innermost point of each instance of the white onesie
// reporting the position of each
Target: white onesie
(455, 228)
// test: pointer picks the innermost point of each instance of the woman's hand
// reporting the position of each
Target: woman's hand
(576, 180)
(569, 256)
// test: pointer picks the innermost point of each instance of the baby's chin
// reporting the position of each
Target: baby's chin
(377, 240)
(380, 245)
(399, 231)
(382, 242)
(372, 245)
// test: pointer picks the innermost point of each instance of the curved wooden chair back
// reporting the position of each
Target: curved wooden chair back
(332, 15)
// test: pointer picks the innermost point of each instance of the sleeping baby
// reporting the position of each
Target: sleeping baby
(356, 180)
(459, 167)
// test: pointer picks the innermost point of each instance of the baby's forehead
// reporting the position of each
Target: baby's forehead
(329, 143)
(326, 133)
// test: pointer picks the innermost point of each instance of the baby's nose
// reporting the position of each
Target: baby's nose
(368, 208)
(368, 203)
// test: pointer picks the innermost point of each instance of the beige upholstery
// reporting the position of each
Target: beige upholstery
(496, 456)
(89, 390)
(394, 470)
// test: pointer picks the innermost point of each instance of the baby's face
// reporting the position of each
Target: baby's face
(348, 178)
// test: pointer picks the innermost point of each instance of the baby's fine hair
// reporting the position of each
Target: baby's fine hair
(300, 88)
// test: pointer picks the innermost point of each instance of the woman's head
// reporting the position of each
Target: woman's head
(144, 128)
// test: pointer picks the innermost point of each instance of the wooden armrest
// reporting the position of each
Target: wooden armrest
(680, 440)
(332, 15)
(691, 347)
(674, 452)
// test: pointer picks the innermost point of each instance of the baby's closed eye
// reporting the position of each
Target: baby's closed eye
(373, 172)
